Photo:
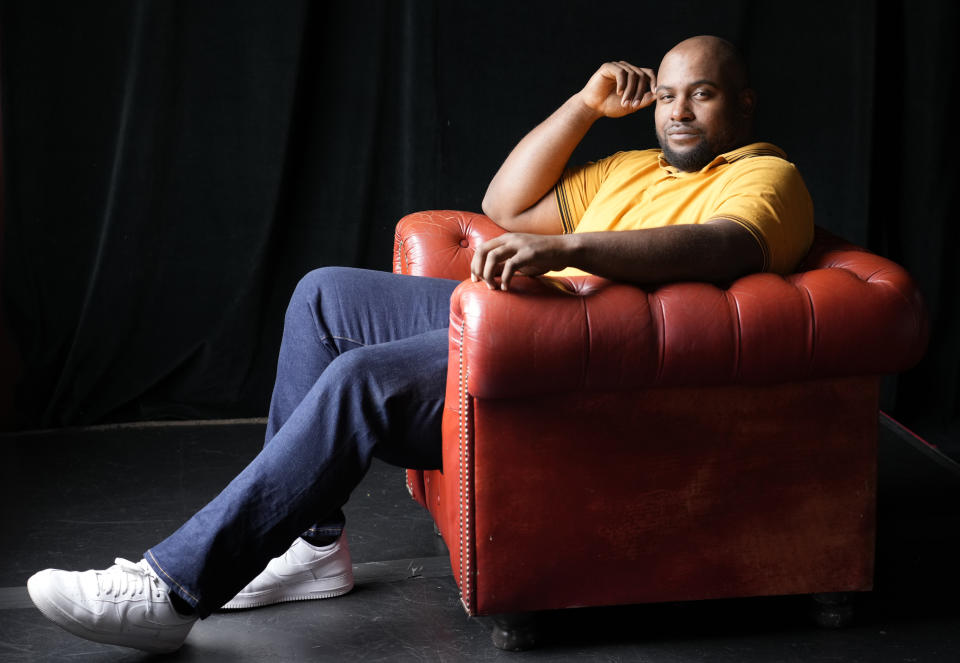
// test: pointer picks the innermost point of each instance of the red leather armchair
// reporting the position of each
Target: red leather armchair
(605, 444)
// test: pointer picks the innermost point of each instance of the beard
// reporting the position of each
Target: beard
(691, 159)
(694, 158)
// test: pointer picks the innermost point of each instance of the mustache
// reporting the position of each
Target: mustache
(682, 127)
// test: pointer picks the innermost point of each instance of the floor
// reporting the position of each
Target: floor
(78, 498)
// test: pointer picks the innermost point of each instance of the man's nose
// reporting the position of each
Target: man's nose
(681, 110)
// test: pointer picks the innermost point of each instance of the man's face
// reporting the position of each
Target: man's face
(698, 114)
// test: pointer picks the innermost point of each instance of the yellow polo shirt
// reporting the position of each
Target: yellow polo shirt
(754, 186)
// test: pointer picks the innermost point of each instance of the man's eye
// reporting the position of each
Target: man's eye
(666, 97)
(701, 94)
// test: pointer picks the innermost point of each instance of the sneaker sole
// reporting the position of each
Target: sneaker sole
(299, 592)
(50, 610)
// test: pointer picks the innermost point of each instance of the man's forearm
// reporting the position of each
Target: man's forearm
(536, 163)
(712, 252)
(716, 251)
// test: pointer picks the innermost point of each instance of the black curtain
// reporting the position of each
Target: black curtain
(175, 167)
(172, 168)
(914, 197)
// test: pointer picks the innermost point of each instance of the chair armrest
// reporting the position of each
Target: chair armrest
(862, 318)
(440, 243)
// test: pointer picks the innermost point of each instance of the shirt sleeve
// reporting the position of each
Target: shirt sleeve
(578, 186)
(767, 196)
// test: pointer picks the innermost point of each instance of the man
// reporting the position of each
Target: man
(362, 366)
(704, 230)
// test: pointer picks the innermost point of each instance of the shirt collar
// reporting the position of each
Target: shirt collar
(745, 152)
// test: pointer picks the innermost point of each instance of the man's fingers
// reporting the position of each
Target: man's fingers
(651, 77)
(476, 263)
(618, 88)
(507, 274)
(491, 267)
(646, 82)
(633, 82)
(635, 86)
(650, 94)
(510, 254)
(479, 260)
(489, 260)
(621, 75)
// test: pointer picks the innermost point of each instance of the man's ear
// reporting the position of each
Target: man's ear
(748, 102)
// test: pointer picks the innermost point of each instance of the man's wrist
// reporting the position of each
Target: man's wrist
(583, 111)
(572, 248)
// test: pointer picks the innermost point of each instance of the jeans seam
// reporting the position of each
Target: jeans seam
(169, 577)
(342, 338)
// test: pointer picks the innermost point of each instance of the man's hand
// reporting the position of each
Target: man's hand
(518, 253)
(618, 89)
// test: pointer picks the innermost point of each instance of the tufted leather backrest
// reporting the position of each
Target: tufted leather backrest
(440, 243)
(846, 312)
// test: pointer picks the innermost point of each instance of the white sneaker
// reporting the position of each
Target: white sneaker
(126, 604)
(303, 572)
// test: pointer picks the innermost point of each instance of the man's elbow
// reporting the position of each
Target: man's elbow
(489, 206)
(733, 251)
(494, 211)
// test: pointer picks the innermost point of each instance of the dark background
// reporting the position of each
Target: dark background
(172, 168)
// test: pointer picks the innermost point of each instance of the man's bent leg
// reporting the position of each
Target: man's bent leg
(337, 309)
(384, 400)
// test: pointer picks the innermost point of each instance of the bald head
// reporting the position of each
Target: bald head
(704, 106)
(715, 53)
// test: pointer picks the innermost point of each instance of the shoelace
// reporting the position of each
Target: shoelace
(125, 577)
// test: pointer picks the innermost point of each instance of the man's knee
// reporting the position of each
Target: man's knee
(323, 278)
(315, 286)
(358, 378)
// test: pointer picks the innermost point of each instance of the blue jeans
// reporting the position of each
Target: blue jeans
(361, 373)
